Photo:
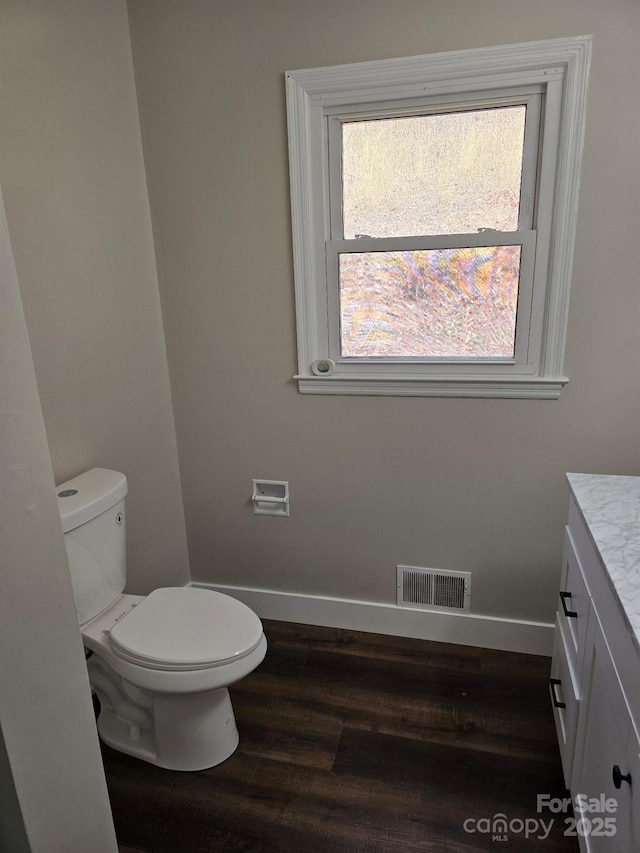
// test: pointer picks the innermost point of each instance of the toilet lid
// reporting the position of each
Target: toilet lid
(180, 628)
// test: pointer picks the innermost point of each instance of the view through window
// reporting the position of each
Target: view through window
(447, 173)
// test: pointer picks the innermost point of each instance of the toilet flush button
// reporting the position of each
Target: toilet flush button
(67, 493)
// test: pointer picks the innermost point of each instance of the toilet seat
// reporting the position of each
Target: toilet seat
(183, 628)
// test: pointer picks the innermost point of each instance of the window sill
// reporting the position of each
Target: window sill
(524, 387)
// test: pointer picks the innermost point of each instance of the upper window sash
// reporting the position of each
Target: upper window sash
(529, 97)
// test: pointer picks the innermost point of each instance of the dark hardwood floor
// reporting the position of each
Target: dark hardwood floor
(361, 743)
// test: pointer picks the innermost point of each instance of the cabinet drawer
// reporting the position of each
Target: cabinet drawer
(573, 607)
(564, 700)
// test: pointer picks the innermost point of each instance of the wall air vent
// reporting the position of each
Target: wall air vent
(430, 589)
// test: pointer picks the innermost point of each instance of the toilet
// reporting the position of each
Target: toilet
(160, 664)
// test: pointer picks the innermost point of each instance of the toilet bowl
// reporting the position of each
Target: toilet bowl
(159, 664)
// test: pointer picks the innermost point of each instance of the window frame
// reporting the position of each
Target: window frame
(319, 98)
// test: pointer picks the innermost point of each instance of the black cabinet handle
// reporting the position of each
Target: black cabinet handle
(571, 614)
(619, 777)
(556, 702)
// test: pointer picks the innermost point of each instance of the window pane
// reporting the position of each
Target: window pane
(435, 303)
(451, 173)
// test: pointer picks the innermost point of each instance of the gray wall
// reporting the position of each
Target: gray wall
(52, 787)
(72, 174)
(476, 485)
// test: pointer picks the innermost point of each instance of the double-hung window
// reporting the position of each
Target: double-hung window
(434, 203)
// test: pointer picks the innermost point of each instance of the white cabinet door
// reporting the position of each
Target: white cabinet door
(608, 775)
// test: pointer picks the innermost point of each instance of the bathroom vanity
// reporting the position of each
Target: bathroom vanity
(595, 672)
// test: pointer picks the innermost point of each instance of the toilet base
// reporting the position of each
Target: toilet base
(191, 732)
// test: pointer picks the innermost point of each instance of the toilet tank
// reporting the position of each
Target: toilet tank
(93, 520)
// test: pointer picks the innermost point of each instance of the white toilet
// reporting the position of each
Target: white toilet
(161, 663)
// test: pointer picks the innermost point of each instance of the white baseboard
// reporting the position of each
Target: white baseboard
(489, 632)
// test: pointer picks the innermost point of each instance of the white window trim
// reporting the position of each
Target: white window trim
(561, 66)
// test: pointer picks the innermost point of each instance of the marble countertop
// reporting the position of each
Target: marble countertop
(610, 506)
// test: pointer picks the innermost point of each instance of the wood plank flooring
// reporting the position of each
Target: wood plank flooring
(360, 743)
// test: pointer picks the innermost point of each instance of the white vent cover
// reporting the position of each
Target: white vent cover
(431, 589)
